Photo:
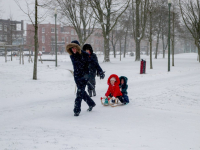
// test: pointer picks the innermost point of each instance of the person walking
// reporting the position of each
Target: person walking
(92, 69)
(80, 61)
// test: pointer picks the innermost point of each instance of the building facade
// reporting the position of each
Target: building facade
(11, 31)
(65, 34)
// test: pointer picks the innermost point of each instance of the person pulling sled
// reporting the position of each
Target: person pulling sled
(80, 61)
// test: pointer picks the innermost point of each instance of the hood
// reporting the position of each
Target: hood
(117, 82)
(88, 47)
(125, 79)
(74, 43)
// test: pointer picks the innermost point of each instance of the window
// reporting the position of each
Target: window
(72, 32)
(92, 41)
(43, 39)
(52, 38)
(43, 30)
(5, 28)
(43, 48)
(0, 26)
(63, 39)
(5, 37)
(52, 30)
(1, 38)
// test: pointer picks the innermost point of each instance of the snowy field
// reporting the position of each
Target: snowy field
(163, 114)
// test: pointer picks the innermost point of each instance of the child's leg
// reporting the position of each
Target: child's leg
(126, 99)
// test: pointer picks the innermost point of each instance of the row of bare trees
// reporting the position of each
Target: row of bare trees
(139, 19)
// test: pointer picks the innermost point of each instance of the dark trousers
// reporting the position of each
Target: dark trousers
(81, 94)
(91, 83)
(126, 99)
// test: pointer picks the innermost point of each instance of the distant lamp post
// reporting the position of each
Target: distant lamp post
(169, 4)
(56, 38)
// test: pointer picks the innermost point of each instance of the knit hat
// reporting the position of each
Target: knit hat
(76, 42)
(113, 78)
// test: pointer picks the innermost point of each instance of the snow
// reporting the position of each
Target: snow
(163, 114)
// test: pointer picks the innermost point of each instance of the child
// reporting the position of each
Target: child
(113, 89)
(123, 87)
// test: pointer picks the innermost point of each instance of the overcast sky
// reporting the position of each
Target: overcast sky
(10, 7)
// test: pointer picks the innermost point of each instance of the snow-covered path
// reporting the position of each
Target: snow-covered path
(163, 114)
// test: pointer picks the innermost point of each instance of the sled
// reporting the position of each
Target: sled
(115, 104)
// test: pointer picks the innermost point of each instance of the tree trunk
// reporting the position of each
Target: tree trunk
(36, 43)
(120, 45)
(106, 49)
(163, 42)
(157, 43)
(150, 40)
(137, 36)
(125, 42)
(199, 53)
(173, 38)
(114, 51)
(147, 47)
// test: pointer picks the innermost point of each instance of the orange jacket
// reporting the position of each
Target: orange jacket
(114, 90)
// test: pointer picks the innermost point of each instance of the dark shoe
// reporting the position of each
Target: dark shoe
(113, 101)
(90, 93)
(76, 114)
(94, 92)
(90, 107)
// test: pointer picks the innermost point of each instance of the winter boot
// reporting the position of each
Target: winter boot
(90, 93)
(90, 107)
(76, 114)
(94, 92)
(106, 101)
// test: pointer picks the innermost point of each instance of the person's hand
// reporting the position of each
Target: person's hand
(102, 75)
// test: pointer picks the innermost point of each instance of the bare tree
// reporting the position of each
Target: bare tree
(34, 14)
(104, 10)
(78, 14)
(1, 11)
(140, 10)
(114, 37)
(190, 11)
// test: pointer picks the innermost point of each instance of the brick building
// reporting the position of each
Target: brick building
(65, 34)
(11, 31)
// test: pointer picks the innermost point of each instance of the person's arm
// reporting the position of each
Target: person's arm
(108, 92)
(99, 69)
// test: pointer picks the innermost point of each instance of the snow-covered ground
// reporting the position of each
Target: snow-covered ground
(163, 114)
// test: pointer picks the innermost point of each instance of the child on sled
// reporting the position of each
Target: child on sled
(123, 87)
(113, 89)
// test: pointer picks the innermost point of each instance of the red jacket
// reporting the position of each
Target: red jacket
(114, 90)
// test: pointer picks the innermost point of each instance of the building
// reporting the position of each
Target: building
(11, 31)
(65, 34)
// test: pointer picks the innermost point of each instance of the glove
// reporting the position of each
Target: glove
(113, 98)
(102, 75)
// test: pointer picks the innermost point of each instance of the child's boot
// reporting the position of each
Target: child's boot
(106, 101)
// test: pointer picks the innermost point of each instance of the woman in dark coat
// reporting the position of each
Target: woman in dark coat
(92, 69)
(80, 61)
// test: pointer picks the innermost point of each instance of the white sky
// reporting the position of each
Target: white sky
(10, 7)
